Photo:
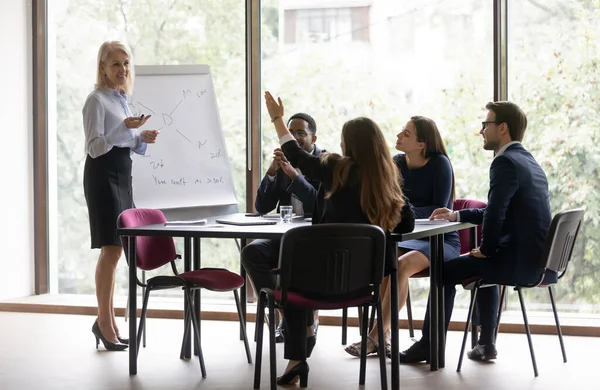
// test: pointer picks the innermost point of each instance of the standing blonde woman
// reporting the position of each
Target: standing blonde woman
(110, 137)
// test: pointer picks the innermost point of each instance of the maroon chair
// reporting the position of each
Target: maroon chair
(466, 244)
(154, 252)
(555, 257)
(340, 263)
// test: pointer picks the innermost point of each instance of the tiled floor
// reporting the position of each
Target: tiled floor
(48, 351)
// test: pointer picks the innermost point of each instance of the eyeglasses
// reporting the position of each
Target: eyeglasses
(484, 124)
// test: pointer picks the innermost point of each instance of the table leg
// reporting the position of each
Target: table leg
(394, 329)
(243, 243)
(131, 255)
(187, 266)
(433, 305)
(196, 265)
(440, 301)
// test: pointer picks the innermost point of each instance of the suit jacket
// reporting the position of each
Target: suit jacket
(344, 205)
(272, 194)
(517, 217)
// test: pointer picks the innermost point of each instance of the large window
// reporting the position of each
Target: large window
(554, 75)
(426, 58)
(158, 32)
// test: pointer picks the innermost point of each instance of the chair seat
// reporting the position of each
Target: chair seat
(472, 282)
(213, 279)
(300, 300)
(422, 274)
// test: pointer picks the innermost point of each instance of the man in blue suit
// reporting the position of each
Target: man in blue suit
(282, 185)
(515, 224)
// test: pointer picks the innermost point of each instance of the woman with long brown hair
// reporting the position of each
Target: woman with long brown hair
(428, 182)
(359, 186)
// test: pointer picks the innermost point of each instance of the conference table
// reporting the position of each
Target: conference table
(192, 235)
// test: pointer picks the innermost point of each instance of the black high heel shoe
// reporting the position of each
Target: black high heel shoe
(107, 344)
(123, 341)
(300, 370)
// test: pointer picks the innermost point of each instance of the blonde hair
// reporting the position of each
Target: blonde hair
(381, 197)
(106, 49)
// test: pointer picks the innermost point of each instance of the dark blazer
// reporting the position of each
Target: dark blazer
(272, 194)
(344, 205)
(517, 217)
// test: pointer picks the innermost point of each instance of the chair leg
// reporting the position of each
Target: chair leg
(500, 304)
(535, 370)
(558, 330)
(186, 332)
(464, 342)
(239, 310)
(260, 322)
(142, 319)
(189, 296)
(363, 345)
(256, 327)
(474, 326)
(143, 291)
(381, 342)
(344, 326)
(272, 355)
(411, 329)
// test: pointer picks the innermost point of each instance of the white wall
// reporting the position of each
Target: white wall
(16, 151)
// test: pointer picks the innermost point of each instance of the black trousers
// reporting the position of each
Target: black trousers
(259, 258)
(455, 272)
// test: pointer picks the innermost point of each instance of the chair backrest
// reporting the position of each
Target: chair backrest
(151, 252)
(561, 240)
(465, 240)
(338, 259)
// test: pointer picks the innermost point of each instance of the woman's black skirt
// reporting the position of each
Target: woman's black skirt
(108, 192)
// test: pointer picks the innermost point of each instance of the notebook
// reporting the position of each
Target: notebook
(246, 222)
(427, 221)
(186, 222)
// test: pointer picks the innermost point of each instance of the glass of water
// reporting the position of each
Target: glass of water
(286, 213)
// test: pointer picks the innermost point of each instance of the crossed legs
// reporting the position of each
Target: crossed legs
(409, 263)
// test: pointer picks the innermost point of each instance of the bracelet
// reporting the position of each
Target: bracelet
(274, 119)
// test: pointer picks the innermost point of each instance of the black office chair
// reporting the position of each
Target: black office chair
(326, 267)
(556, 256)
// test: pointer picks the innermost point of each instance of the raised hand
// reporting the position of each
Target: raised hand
(134, 122)
(275, 108)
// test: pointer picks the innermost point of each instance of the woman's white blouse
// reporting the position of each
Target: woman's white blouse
(103, 115)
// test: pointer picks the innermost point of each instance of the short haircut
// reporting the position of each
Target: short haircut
(512, 115)
(312, 125)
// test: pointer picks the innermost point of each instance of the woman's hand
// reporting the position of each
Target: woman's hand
(149, 136)
(275, 108)
(133, 122)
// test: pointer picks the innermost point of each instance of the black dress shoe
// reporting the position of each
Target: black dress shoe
(483, 352)
(279, 333)
(298, 371)
(110, 346)
(123, 340)
(418, 352)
